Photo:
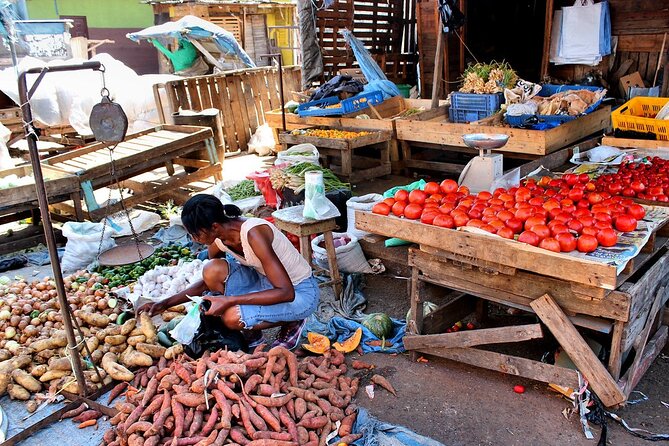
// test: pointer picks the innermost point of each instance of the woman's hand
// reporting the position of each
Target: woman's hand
(217, 305)
(153, 308)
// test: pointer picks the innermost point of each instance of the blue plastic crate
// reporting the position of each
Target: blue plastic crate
(463, 116)
(474, 101)
(544, 122)
(346, 106)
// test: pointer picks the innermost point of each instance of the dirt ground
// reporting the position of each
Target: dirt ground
(462, 405)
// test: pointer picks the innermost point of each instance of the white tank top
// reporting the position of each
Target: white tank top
(296, 266)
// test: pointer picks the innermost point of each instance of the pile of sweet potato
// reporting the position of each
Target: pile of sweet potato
(255, 399)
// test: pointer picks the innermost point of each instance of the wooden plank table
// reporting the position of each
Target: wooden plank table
(352, 168)
(634, 143)
(522, 141)
(564, 292)
(165, 145)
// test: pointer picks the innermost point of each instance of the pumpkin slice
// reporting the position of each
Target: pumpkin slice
(317, 343)
(349, 344)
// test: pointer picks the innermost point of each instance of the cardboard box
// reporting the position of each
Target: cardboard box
(631, 80)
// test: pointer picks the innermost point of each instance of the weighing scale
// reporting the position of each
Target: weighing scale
(481, 171)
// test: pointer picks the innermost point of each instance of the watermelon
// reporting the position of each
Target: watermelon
(379, 324)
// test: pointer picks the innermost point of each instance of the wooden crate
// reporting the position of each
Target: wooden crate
(522, 141)
(12, 119)
(624, 307)
(139, 153)
(634, 143)
(57, 183)
(351, 167)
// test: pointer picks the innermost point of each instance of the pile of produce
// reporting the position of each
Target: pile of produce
(245, 189)
(167, 280)
(329, 133)
(256, 399)
(488, 78)
(33, 350)
(560, 215)
(569, 102)
(119, 276)
(645, 181)
(292, 177)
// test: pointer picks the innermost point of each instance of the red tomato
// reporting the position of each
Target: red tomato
(448, 186)
(402, 195)
(446, 208)
(504, 215)
(475, 223)
(570, 178)
(583, 178)
(523, 214)
(417, 196)
(389, 201)
(655, 190)
(413, 211)
(638, 186)
(529, 237)
(497, 224)
(428, 216)
(444, 221)
(551, 203)
(515, 224)
(550, 244)
(488, 228)
(564, 217)
(436, 197)
(601, 216)
(590, 230)
(590, 186)
(541, 230)
(587, 220)
(474, 213)
(381, 209)
(607, 237)
(484, 195)
(637, 211)
(602, 225)
(581, 212)
(398, 208)
(625, 223)
(464, 190)
(575, 225)
(567, 241)
(496, 202)
(505, 232)
(594, 198)
(534, 220)
(431, 188)
(628, 192)
(615, 188)
(559, 228)
(459, 218)
(583, 204)
(536, 201)
(587, 243)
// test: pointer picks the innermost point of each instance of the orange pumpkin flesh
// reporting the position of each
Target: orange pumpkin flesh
(317, 343)
(349, 344)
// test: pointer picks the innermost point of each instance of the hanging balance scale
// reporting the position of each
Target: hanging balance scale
(109, 125)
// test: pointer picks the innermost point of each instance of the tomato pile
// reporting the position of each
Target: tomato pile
(644, 181)
(560, 215)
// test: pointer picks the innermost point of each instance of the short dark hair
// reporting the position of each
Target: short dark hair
(203, 210)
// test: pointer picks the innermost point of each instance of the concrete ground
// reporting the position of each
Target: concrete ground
(459, 404)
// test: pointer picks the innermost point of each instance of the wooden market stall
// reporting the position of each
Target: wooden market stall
(139, 153)
(564, 291)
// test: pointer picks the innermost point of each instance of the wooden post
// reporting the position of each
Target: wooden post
(438, 62)
(548, 27)
(578, 350)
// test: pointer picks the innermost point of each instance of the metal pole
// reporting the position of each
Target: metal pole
(24, 97)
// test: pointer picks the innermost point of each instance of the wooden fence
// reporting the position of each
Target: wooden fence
(242, 97)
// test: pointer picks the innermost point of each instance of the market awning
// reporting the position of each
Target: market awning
(194, 28)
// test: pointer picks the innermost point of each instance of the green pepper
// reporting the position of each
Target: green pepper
(34, 314)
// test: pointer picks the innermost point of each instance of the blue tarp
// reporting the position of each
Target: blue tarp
(196, 28)
(378, 433)
(340, 329)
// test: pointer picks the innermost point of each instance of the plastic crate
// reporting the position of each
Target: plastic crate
(346, 106)
(475, 101)
(638, 114)
(463, 116)
(543, 122)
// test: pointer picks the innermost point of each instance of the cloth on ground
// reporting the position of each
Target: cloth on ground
(41, 257)
(352, 301)
(379, 433)
(340, 329)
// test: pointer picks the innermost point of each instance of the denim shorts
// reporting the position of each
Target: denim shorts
(245, 280)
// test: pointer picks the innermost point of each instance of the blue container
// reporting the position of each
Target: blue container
(349, 105)
(474, 101)
(459, 115)
(544, 122)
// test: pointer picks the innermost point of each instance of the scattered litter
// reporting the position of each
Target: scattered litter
(370, 391)
(422, 359)
(638, 400)
(509, 431)
(566, 413)
(664, 404)
(519, 389)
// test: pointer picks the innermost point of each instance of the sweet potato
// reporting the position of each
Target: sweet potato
(74, 412)
(300, 408)
(88, 423)
(153, 406)
(174, 351)
(252, 382)
(128, 326)
(114, 369)
(246, 419)
(179, 414)
(147, 327)
(267, 416)
(211, 423)
(227, 391)
(302, 434)
(153, 350)
(237, 435)
(150, 392)
(118, 419)
(383, 382)
(306, 395)
(182, 372)
(94, 319)
(196, 425)
(273, 402)
(116, 391)
(138, 426)
(224, 406)
(90, 414)
(346, 426)
(27, 381)
(160, 418)
(53, 374)
(190, 399)
(289, 423)
(137, 359)
(269, 435)
(350, 438)
(256, 419)
(268, 442)
(188, 419)
(314, 422)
